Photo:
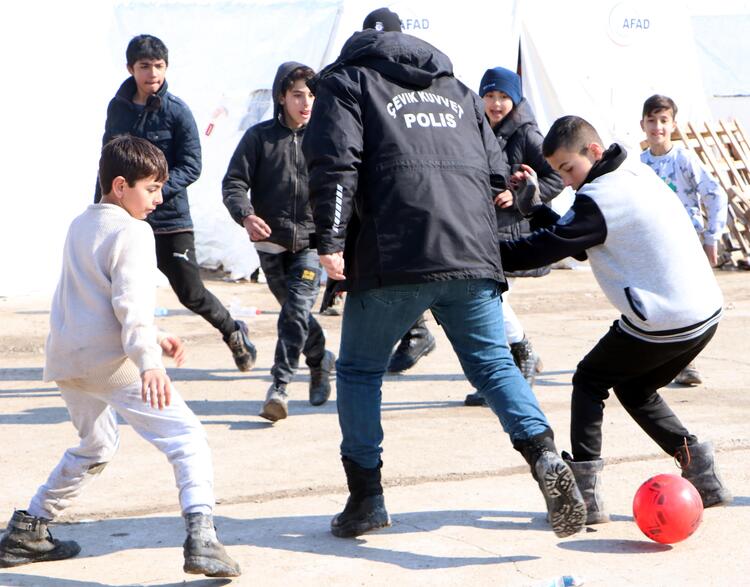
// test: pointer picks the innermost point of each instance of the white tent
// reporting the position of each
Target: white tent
(67, 60)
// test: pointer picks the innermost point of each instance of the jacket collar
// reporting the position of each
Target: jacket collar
(611, 159)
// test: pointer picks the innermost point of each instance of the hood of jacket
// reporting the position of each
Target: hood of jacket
(281, 74)
(405, 59)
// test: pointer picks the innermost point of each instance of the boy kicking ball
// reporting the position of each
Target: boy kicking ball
(105, 355)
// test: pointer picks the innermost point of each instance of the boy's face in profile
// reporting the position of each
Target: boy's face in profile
(297, 103)
(139, 200)
(497, 105)
(149, 75)
(659, 126)
(574, 166)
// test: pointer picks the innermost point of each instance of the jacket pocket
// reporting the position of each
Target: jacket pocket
(635, 304)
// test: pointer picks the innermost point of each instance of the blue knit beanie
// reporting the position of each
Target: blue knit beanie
(499, 79)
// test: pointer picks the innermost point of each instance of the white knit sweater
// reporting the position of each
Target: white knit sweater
(102, 332)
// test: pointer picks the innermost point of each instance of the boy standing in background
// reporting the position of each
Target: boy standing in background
(144, 108)
(683, 172)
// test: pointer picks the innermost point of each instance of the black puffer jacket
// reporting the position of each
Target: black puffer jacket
(521, 141)
(167, 122)
(403, 166)
(268, 162)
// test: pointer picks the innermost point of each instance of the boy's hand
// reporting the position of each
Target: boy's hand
(712, 252)
(156, 388)
(334, 265)
(173, 347)
(256, 227)
(504, 199)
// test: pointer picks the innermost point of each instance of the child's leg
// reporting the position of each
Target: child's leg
(636, 369)
(96, 424)
(178, 433)
(513, 326)
(640, 397)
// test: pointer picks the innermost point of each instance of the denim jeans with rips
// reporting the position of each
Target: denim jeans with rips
(470, 312)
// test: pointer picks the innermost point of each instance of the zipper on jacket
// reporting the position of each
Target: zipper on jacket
(295, 184)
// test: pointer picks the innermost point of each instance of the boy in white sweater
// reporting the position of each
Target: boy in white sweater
(654, 273)
(105, 355)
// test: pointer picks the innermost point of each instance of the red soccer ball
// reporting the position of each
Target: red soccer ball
(667, 508)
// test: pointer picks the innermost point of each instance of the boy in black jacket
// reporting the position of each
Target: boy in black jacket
(144, 108)
(268, 162)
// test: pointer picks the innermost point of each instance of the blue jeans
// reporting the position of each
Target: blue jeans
(294, 280)
(470, 312)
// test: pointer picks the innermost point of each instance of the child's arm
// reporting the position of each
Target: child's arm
(132, 272)
(714, 201)
(581, 228)
(239, 178)
(186, 166)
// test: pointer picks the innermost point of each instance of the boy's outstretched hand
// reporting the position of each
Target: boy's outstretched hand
(173, 347)
(156, 388)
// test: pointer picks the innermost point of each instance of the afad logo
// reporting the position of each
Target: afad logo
(630, 22)
(415, 24)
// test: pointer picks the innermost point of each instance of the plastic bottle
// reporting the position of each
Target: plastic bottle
(237, 310)
(159, 311)
(562, 581)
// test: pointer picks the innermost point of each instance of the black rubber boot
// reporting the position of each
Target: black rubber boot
(27, 540)
(566, 509)
(588, 476)
(527, 361)
(415, 344)
(204, 554)
(475, 399)
(320, 379)
(244, 352)
(698, 467)
(365, 508)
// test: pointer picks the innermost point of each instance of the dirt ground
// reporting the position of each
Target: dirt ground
(464, 508)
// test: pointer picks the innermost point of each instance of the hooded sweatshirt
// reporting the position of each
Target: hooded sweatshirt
(269, 164)
(403, 166)
(654, 272)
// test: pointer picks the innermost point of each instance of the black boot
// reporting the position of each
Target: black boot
(320, 379)
(415, 344)
(365, 508)
(527, 361)
(698, 467)
(565, 506)
(589, 481)
(475, 399)
(27, 540)
(204, 554)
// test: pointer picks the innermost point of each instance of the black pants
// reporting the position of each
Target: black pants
(175, 257)
(635, 370)
(294, 280)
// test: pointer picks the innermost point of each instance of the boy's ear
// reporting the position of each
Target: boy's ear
(118, 186)
(643, 126)
(131, 71)
(596, 150)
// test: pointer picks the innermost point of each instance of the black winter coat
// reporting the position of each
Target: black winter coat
(269, 163)
(403, 166)
(521, 141)
(167, 122)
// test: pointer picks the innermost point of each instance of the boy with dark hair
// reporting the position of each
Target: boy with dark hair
(269, 163)
(518, 135)
(104, 353)
(683, 172)
(653, 272)
(403, 167)
(144, 108)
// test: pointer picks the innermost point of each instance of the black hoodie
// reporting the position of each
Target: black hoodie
(403, 166)
(268, 162)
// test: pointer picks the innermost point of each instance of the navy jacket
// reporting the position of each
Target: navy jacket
(403, 166)
(167, 122)
(268, 163)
